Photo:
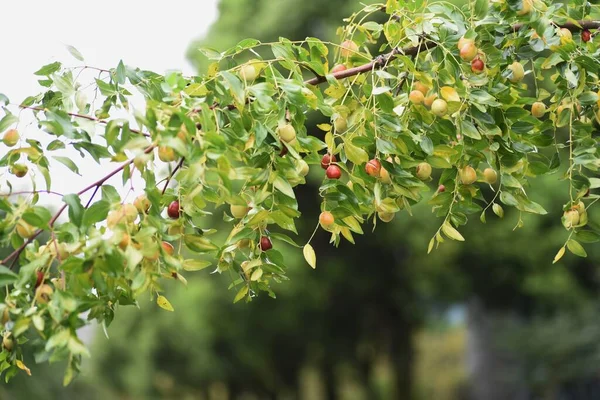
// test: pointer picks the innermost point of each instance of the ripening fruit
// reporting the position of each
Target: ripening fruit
(24, 229)
(166, 154)
(441, 188)
(125, 241)
(338, 68)
(349, 48)
(265, 243)
(384, 175)
(326, 160)
(490, 175)
(43, 293)
(477, 65)
(570, 219)
(333, 172)
(586, 35)
(39, 278)
(130, 212)
(385, 216)
(416, 97)
(462, 41)
(439, 107)
(538, 109)
(565, 36)
(11, 137)
(468, 51)
(8, 343)
(284, 150)
(326, 220)
(421, 87)
(302, 167)
(19, 170)
(423, 171)
(286, 132)
(340, 124)
(467, 175)
(526, 7)
(428, 101)
(173, 210)
(239, 211)
(142, 204)
(248, 72)
(168, 248)
(518, 72)
(373, 168)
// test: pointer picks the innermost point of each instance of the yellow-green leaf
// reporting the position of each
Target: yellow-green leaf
(164, 303)
(22, 366)
(310, 256)
(431, 243)
(451, 232)
(576, 248)
(195, 265)
(559, 255)
(256, 275)
(241, 294)
(355, 154)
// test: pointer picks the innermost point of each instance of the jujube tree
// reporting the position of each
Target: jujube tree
(442, 113)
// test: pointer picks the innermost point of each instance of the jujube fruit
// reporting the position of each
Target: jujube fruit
(265, 243)
(11, 137)
(518, 72)
(166, 154)
(326, 219)
(348, 48)
(490, 175)
(142, 204)
(586, 35)
(467, 175)
(24, 229)
(468, 51)
(384, 175)
(286, 132)
(302, 167)
(423, 171)
(168, 248)
(248, 72)
(538, 109)
(239, 211)
(373, 168)
(416, 97)
(439, 107)
(338, 68)
(173, 210)
(340, 124)
(333, 172)
(477, 65)
(327, 160)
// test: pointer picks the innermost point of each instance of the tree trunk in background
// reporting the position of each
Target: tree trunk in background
(402, 357)
(492, 373)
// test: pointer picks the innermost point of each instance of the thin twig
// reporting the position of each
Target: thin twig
(30, 192)
(172, 174)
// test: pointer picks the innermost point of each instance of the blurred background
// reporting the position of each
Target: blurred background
(487, 319)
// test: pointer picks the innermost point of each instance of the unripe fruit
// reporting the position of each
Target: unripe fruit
(338, 68)
(239, 211)
(168, 248)
(11, 137)
(333, 172)
(265, 243)
(142, 204)
(490, 175)
(586, 35)
(421, 87)
(538, 109)
(441, 188)
(8, 343)
(570, 219)
(385, 176)
(518, 72)
(423, 171)
(19, 170)
(373, 168)
(463, 41)
(428, 101)
(340, 124)
(565, 36)
(477, 65)
(173, 210)
(467, 175)
(439, 107)
(130, 212)
(302, 168)
(286, 132)
(248, 73)
(468, 51)
(43, 293)
(349, 48)
(166, 154)
(24, 229)
(326, 220)
(386, 216)
(416, 97)
(327, 160)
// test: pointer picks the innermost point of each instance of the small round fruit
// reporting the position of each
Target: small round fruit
(248, 72)
(333, 172)
(125, 241)
(373, 168)
(113, 218)
(386, 216)
(166, 154)
(565, 36)
(385, 176)
(518, 72)
(173, 210)
(19, 170)
(441, 189)
(39, 278)
(468, 51)
(429, 100)
(538, 109)
(439, 107)
(416, 97)
(43, 293)
(586, 35)
(327, 160)
(142, 204)
(340, 124)
(467, 175)
(11, 137)
(570, 219)
(8, 343)
(490, 175)
(130, 212)
(265, 243)
(349, 48)
(477, 65)
(421, 87)
(338, 68)
(239, 211)
(326, 220)
(462, 41)
(25, 230)
(287, 133)
(423, 171)
(168, 248)
(302, 168)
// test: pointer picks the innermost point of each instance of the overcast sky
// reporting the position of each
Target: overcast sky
(148, 34)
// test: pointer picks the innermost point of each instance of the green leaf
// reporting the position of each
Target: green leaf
(8, 120)
(241, 294)
(284, 238)
(67, 162)
(576, 248)
(588, 236)
(481, 8)
(498, 210)
(74, 52)
(355, 154)
(164, 303)
(309, 255)
(75, 208)
(96, 212)
(451, 232)
(48, 69)
(559, 255)
(284, 187)
(469, 129)
(7, 277)
(195, 265)
(38, 217)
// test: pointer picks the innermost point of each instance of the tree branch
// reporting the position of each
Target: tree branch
(172, 174)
